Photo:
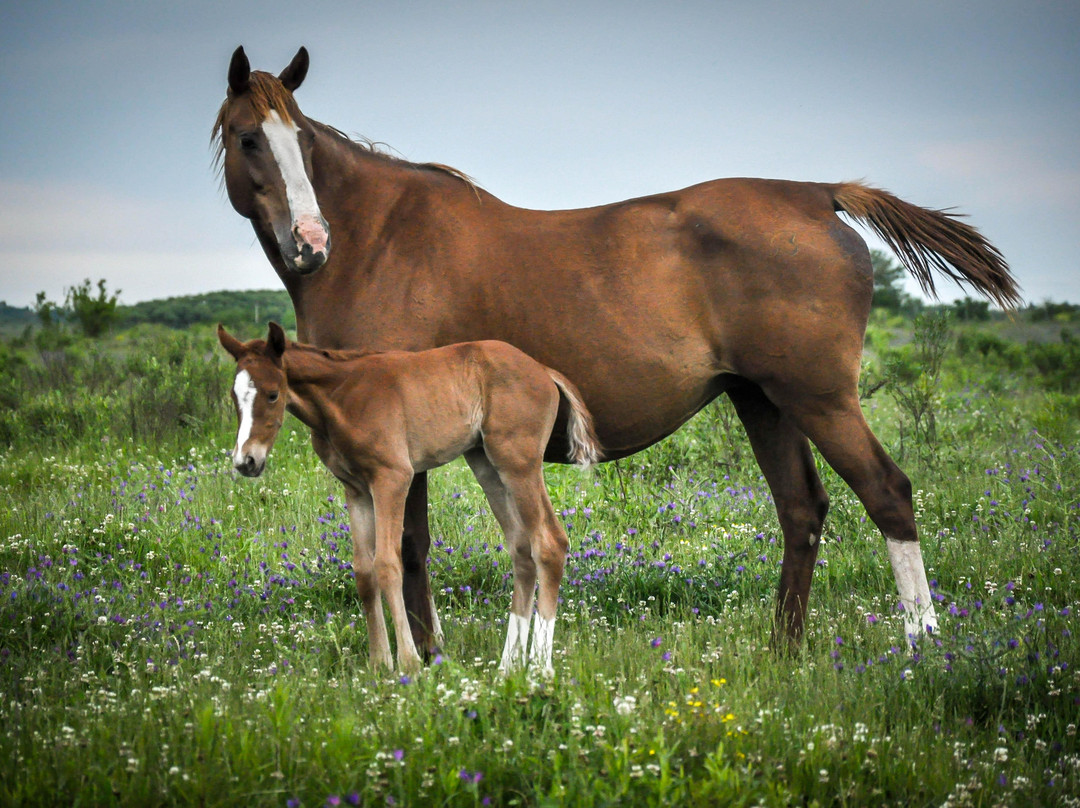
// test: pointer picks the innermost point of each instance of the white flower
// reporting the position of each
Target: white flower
(624, 705)
(1001, 754)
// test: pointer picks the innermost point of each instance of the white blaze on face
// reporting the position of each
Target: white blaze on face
(244, 389)
(303, 206)
(910, 574)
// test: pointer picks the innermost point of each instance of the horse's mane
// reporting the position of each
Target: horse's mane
(266, 93)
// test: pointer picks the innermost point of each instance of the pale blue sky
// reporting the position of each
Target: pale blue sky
(105, 165)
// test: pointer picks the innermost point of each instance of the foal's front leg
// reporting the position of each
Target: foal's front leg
(388, 491)
(362, 528)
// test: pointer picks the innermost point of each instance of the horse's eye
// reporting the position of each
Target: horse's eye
(248, 143)
(272, 397)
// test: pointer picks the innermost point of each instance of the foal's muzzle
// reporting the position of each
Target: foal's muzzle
(248, 465)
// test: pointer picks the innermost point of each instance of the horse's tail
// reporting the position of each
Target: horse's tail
(584, 446)
(925, 239)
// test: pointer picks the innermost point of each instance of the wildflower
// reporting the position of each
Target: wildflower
(1001, 754)
(624, 705)
(399, 754)
(656, 642)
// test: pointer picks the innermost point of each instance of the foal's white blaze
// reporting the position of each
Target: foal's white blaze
(303, 206)
(543, 635)
(517, 638)
(910, 574)
(244, 389)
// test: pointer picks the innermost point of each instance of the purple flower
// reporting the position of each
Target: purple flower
(656, 642)
(667, 656)
(399, 754)
(333, 800)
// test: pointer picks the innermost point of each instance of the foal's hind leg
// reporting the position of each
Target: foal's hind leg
(517, 625)
(362, 529)
(840, 432)
(783, 453)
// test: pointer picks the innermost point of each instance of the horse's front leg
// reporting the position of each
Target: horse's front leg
(362, 529)
(416, 584)
(389, 489)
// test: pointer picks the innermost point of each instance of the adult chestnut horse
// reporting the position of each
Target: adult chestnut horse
(653, 306)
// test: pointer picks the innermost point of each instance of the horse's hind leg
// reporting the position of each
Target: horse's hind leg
(783, 453)
(840, 432)
(362, 529)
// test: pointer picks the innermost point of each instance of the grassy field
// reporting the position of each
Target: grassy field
(173, 634)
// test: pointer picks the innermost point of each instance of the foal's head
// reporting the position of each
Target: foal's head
(259, 392)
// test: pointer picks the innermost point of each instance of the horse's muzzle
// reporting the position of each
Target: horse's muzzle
(308, 245)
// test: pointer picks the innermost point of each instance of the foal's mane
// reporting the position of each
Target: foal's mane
(266, 93)
(335, 354)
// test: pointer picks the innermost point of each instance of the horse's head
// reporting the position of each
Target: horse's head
(259, 392)
(266, 156)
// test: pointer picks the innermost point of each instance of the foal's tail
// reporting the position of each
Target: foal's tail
(584, 446)
(925, 239)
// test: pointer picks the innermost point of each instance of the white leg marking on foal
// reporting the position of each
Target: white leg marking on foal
(543, 634)
(281, 135)
(244, 388)
(517, 638)
(910, 574)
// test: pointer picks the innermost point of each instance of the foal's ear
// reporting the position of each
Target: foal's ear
(239, 72)
(275, 342)
(293, 75)
(230, 343)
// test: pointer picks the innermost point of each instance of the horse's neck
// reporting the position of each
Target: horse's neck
(355, 185)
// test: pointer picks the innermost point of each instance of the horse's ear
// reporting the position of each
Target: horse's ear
(230, 343)
(239, 72)
(275, 341)
(293, 75)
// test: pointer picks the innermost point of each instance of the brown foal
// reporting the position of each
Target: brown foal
(377, 419)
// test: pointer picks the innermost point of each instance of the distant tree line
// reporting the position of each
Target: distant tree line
(235, 309)
(890, 296)
(94, 311)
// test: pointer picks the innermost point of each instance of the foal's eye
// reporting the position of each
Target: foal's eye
(272, 397)
(248, 143)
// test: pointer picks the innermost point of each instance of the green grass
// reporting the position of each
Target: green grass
(173, 634)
